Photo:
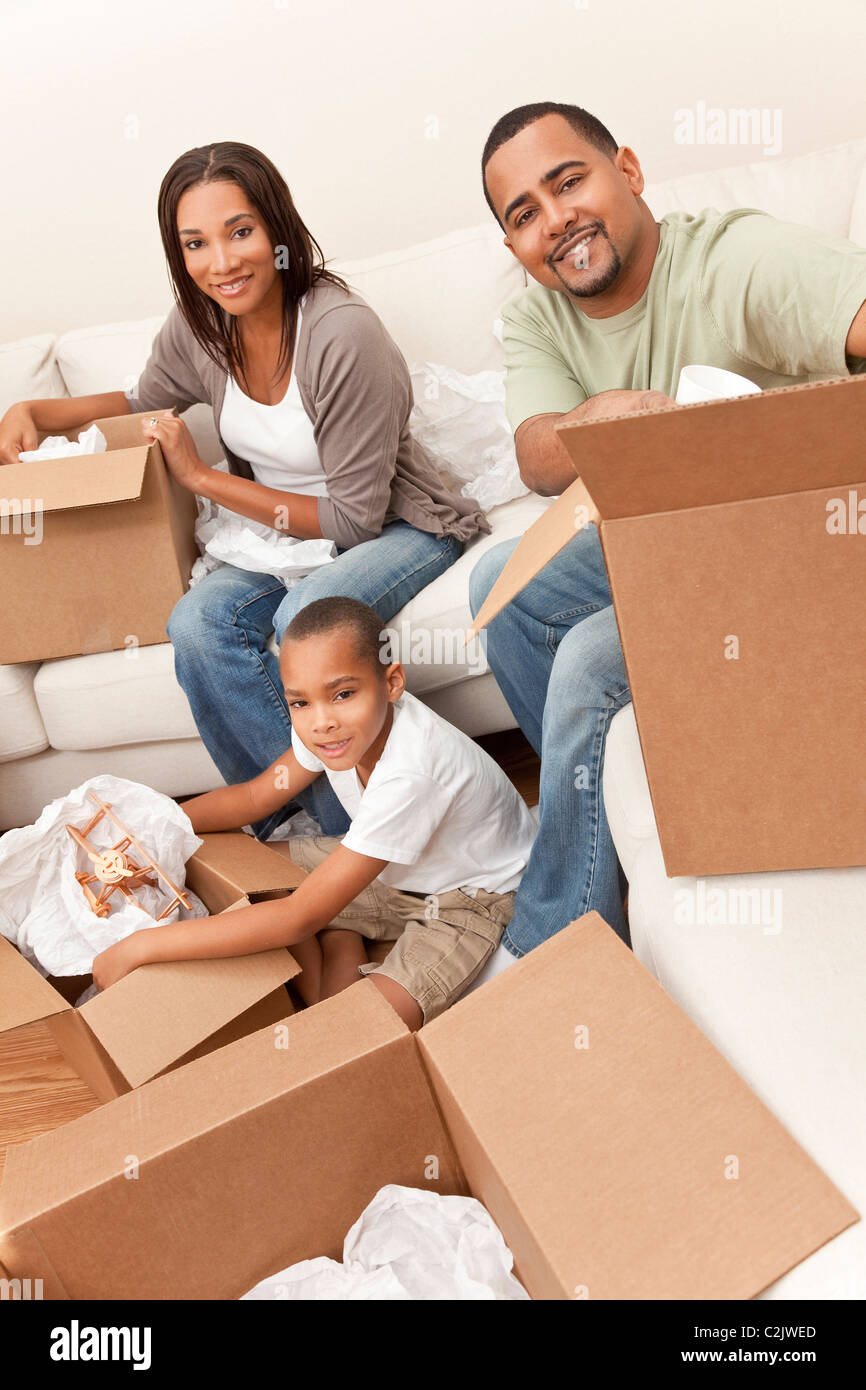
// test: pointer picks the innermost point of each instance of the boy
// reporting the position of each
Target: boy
(438, 841)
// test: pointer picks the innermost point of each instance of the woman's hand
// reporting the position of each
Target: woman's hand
(18, 433)
(112, 964)
(178, 448)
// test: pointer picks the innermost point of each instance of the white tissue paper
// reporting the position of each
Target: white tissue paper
(461, 421)
(225, 537)
(43, 910)
(408, 1244)
(57, 446)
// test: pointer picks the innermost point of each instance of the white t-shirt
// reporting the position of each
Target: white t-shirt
(436, 806)
(276, 440)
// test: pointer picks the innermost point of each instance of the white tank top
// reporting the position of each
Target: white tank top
(276, 440)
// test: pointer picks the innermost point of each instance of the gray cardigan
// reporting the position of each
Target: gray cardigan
(355, 387)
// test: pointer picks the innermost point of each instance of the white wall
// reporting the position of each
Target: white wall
(97, 99)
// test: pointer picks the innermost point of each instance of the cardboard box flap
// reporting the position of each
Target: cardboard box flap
(722, 739)
(154, 1016)
(176, 1109)
(791, 439)
(25, 997)
(634, 1159)
(240, 860)
(87, 480)
(544, 539)
(125, 431)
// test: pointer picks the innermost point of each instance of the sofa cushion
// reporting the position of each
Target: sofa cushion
(112, 698)
(440, 299)
(107, 357)
(28, 371)
(816, 189)
(775, 985)
(180, 768)
(22, 731)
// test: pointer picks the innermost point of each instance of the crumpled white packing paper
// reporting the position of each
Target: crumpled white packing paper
(57, 446)
(408, 1244)
(225, 537)
(43, 910)
(461, 421)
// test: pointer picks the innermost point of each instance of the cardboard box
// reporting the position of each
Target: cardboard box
(734, 534)
(619, 1153)
(95, 550)
(162, 1016)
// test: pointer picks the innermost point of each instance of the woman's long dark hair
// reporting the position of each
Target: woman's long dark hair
(268, 192)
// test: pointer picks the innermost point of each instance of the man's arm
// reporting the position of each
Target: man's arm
(320, 898)
(229, 808)
(855, 343)
(544, 464)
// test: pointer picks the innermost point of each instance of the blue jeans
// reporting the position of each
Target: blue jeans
(220, 630)
(556, 655)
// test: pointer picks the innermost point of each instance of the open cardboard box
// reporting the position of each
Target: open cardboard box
(116, 550)
(160, 1017)
(734, 534)
(617, 1150)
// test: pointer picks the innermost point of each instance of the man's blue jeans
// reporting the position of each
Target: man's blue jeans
(556, 655)
(220, 630)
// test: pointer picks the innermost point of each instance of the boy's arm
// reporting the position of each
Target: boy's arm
(321, 897)
(228, 808)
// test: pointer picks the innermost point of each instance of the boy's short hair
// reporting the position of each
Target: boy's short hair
(326, 615)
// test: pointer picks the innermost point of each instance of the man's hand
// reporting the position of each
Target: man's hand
(545, 466)
(178, 448)
(125, 956)
(17, 433)
(607, 404)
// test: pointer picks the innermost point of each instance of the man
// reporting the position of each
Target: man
(621, 303)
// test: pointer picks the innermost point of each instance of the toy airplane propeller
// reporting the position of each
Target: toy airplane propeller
(116, 870)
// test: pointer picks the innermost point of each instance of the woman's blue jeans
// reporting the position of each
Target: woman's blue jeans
(556, 655)
(220, 630)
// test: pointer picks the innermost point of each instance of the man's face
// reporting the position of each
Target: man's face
(571, 214)
(339, 704)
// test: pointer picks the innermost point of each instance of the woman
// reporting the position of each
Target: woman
(311, 401)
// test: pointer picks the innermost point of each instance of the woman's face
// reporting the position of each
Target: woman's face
(227, 248)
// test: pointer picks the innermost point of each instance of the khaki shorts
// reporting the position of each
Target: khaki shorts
(442, 941)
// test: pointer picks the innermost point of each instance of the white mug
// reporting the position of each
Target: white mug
(712, 384)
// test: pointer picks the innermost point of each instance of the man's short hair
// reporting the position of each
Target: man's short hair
(587, 126)
(340, 614)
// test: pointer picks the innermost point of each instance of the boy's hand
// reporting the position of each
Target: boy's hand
(112, 964)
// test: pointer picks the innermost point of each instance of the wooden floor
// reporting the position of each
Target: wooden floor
(40, 1091)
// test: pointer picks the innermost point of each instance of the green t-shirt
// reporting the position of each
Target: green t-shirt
(771, 300)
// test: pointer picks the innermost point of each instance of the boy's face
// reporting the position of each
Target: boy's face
(571, 215)
(339, 703)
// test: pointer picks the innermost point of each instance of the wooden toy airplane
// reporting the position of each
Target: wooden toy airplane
(116, 870)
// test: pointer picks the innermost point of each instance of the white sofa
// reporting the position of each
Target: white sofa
(784, 1008)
